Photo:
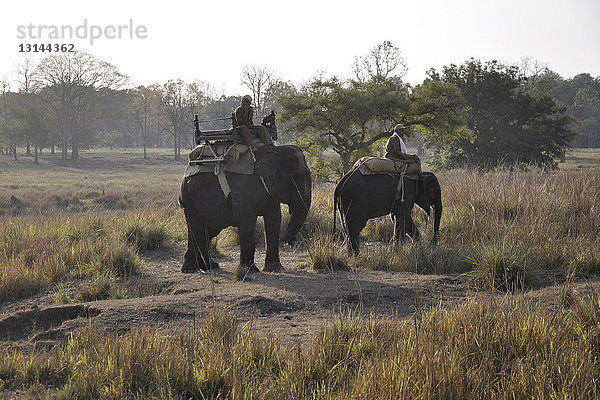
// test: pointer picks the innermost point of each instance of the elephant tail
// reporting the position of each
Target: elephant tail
(337, 202)
(336, 196)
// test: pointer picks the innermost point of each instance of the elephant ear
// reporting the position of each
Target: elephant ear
(424, 198)
(266, 166)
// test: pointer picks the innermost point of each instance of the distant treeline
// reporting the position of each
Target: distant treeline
(469, 114)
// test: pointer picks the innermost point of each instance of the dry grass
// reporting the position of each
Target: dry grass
(503, 230)
(475, 350)
(507, 230)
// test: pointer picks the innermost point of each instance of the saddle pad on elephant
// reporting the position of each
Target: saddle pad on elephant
(240, 159)
(364, 170)
(408, 165)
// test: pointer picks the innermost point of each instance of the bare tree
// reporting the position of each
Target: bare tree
(76, 86)
(25, 69)
(179, 101)
(383, 60)
(532, 70)
(259, 80)
(144, 103)
(6, 140)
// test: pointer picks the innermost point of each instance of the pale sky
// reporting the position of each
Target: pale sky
(212, 41)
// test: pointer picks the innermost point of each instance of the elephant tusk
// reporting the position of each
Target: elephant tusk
(265, 185)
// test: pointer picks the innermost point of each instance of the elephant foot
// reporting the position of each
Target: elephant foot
(252, 268)
(243, 271)
(273, 266)
(190, 268)
(193, 267)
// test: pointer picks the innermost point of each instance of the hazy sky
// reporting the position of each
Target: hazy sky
(212, 41)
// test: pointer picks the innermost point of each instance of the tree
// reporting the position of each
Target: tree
(25, 71)
(258, 79)
(383, 61)
(76, 86)
(349, 116)
(31, 122)
(144, 102)
(180, 101)
(505, 123)
(9, 128)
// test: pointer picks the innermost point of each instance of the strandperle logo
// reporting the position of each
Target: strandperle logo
(86, 31)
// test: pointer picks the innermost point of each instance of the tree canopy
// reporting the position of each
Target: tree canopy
(350, 116)
(505, 123)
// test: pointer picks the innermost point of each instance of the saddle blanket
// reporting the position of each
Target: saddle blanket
(409, 165)
(240, 159)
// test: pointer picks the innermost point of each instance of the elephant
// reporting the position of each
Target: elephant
(361, 197)
(281, 175)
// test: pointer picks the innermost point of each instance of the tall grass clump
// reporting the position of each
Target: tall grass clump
(37, 253)
(476, 350)
(147, 235)
(326, 254)
(502, 265)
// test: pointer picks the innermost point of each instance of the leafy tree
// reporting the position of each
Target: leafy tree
(505, 123)
(347, 117)
(350, 116)
(31, 122)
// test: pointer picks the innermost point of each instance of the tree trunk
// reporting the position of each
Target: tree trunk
(35, 152)
(64, 149)
(345, 161)
(175, 146)
(144, 133)
(28, 149)
(74, 149)
(14, 151)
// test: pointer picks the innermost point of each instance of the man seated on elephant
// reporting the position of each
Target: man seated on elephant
(395, 145)
(243, 120)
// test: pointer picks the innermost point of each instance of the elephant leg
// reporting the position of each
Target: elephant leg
(401, 227)
(404, 225)
(272, 227)
(354, 228)
(197, 255)
(213, 233)
(247, 231)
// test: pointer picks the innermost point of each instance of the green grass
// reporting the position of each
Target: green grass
(476, 350)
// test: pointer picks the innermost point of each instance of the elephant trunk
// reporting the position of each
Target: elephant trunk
(299, 207)
(437, 216)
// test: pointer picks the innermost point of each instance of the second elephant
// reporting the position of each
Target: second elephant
(360, 197)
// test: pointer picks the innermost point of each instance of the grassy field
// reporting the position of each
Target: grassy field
(78, 232)
(581, 159)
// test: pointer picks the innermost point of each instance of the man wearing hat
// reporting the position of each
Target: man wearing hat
(395, 145)
(243, 120)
